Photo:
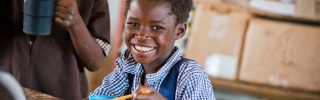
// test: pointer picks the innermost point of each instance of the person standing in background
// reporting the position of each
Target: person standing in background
(54, 64)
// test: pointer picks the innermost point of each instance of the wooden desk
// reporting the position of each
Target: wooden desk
(35, 95)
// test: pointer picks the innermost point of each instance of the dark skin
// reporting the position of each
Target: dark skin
(151, 25)
(87, 49)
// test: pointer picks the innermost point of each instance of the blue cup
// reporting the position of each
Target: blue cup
(37, 18)
(101, 97)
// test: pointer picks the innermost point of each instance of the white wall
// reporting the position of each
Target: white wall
(114, 7)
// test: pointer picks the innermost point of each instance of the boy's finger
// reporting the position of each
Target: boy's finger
(140, 96)
(62, 22)
(61, 9)
(65, 3)
(58, 20)
(64, 10)
(63, 16)
(58, 14)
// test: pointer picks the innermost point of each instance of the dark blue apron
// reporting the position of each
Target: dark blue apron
(169, 84)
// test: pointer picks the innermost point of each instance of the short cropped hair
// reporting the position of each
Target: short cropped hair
(180, 8)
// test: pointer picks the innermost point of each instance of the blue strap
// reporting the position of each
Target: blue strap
(169, 84)
(130, 78)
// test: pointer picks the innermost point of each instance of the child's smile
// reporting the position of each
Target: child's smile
(142, 49)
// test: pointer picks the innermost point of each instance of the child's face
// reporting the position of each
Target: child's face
(150, 32)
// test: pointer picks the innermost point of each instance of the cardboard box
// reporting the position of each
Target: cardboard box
(274, 6)
(303, 10)
(308, 9)
(216, 38)
(282, 54)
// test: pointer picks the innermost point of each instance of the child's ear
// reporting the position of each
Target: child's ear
(181, 30)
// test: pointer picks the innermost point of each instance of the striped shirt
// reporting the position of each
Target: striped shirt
(192, 84)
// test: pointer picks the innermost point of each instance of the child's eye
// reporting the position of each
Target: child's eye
(134, 24)
(156, 28)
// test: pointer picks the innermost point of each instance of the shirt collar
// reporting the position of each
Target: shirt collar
(127, 63)
(164, 70)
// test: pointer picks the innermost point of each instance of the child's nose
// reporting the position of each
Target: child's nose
(143, 35)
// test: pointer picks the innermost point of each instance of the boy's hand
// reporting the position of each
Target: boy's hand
(153, 95)
(66, 12)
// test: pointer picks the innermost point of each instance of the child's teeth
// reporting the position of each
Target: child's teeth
(140, 48)
(144, 49)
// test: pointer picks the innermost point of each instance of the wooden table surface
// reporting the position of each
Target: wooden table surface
(36, 95)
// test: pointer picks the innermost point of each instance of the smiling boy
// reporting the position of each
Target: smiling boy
(152, 62)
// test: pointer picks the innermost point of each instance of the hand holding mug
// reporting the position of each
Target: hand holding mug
(66, 12)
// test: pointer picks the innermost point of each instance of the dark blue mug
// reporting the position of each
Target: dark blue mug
(37, 18)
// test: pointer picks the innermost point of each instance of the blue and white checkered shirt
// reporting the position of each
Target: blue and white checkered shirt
(192, 84)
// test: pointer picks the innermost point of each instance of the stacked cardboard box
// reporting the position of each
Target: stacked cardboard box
(231, 44)
(282, 54)
(216, 38)
(308, 9)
